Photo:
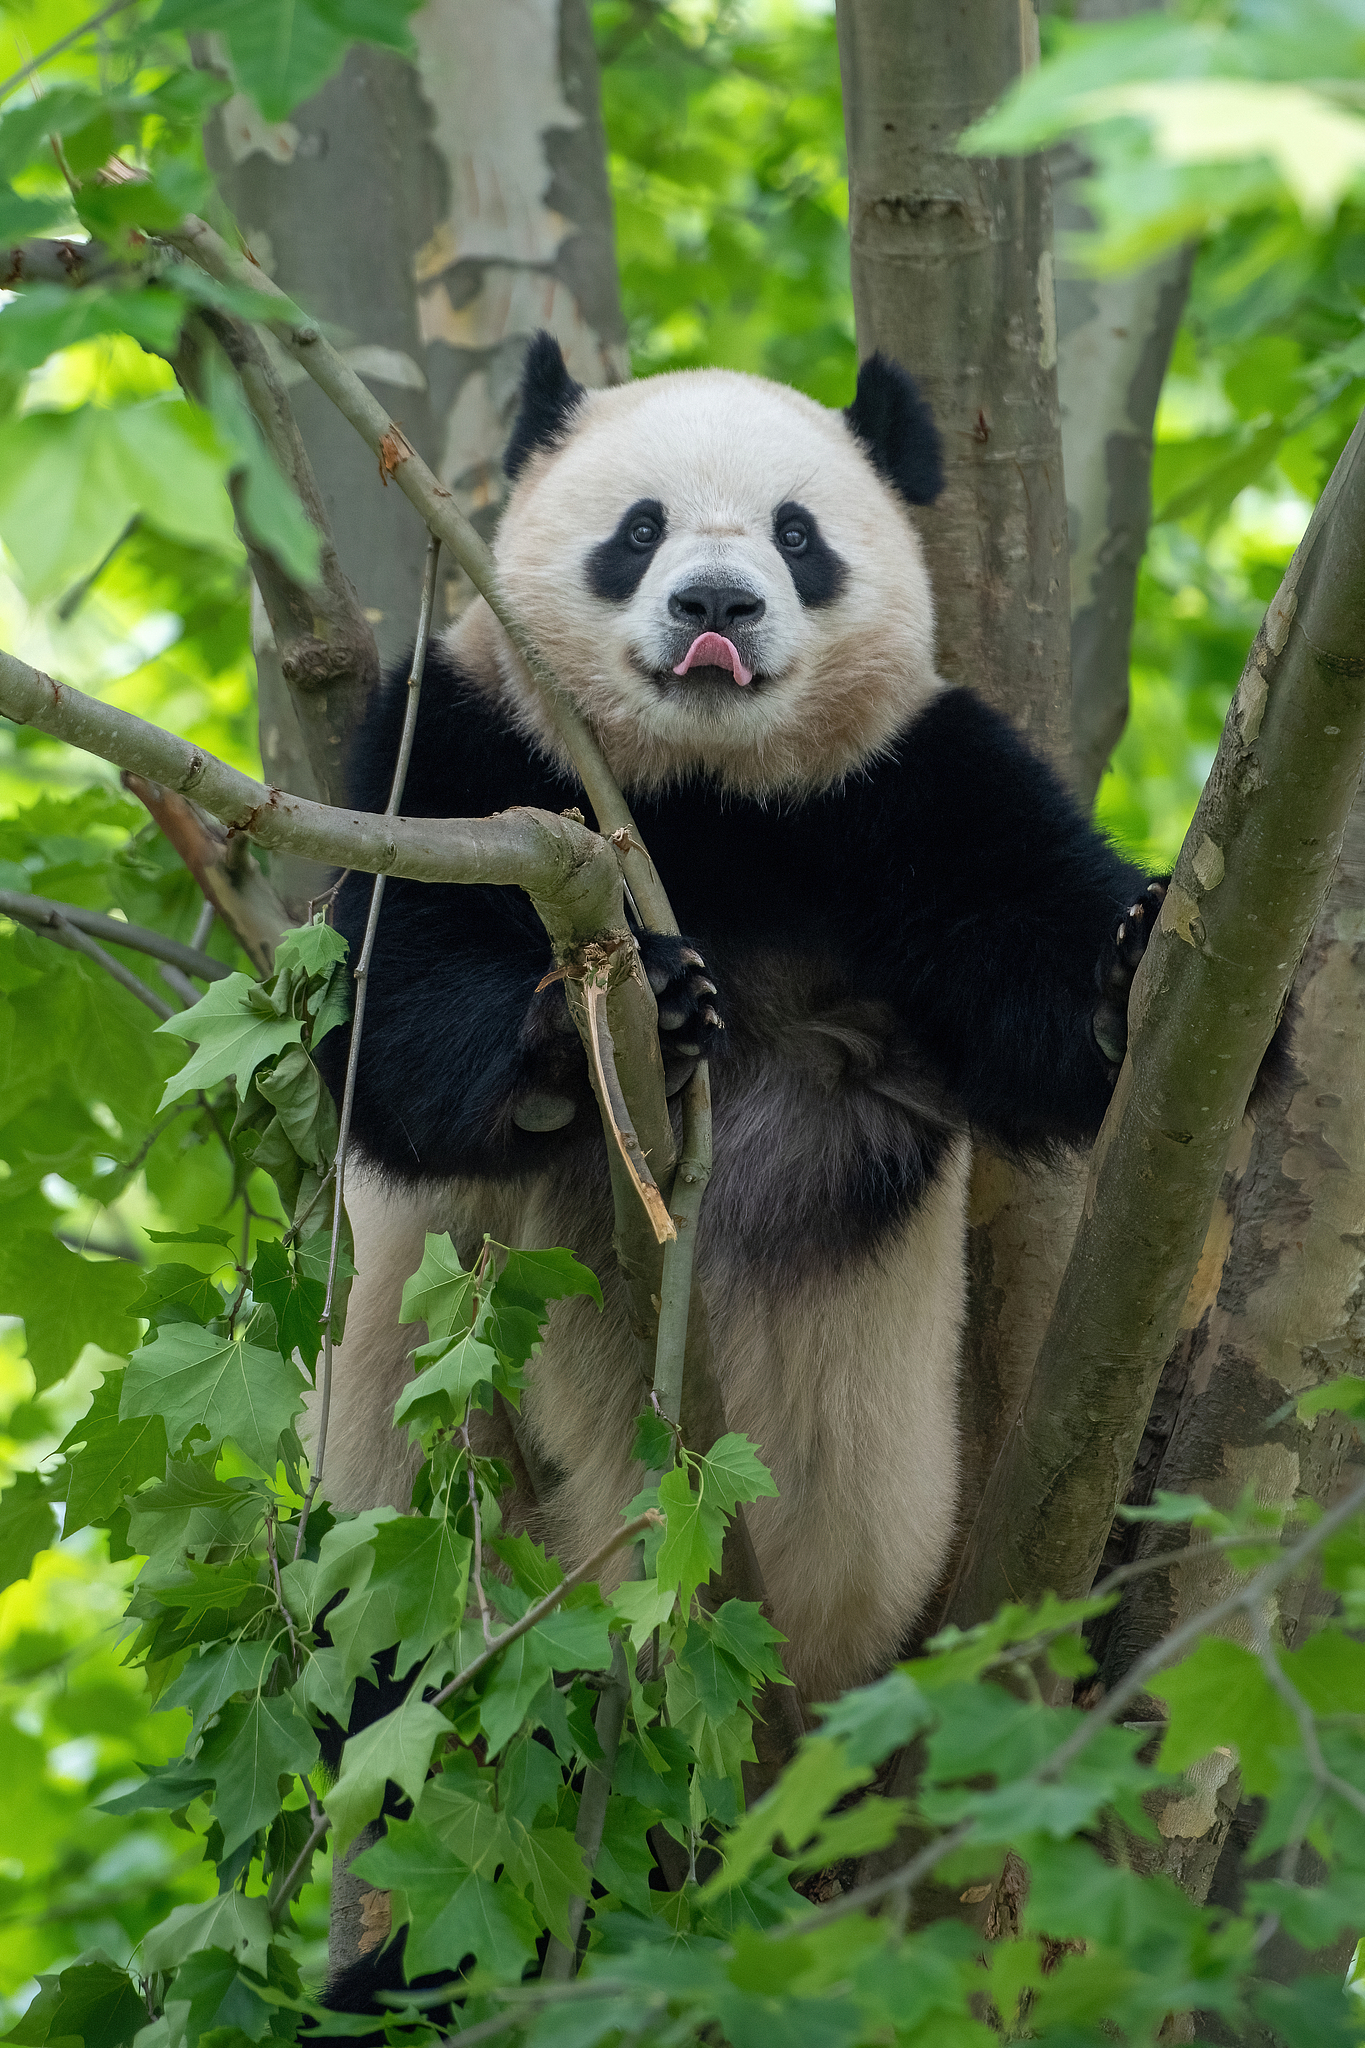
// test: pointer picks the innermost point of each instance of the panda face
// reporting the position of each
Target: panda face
(723, 580)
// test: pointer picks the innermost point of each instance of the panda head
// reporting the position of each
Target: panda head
(723, 573)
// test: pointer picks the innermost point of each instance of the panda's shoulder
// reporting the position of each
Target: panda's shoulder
(467, 759)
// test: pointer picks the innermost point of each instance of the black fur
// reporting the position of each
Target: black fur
(953, 885)
(817, 571)
(897, 429)
(616, 566)
(549, 400)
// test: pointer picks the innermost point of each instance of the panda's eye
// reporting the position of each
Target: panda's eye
(793, 536)
(644, 533)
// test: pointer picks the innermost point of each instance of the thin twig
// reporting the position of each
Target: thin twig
(689, 1186)
(603, 1053)
(561, 1958)
(55, 925)
(37, 911)
(1323, 1775)
(271, 1524)
(55, 49)
(1160, 1559)
(279, 1904)
(419, 657)
(650, 1519)
(476, 1564)
(204, 926)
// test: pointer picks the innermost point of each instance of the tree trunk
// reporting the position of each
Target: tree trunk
(952, 275)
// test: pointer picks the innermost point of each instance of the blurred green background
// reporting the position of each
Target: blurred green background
(727, 164)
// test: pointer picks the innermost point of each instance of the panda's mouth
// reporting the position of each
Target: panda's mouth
(713, 652)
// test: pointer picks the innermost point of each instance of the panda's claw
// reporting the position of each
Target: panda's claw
(690, 1019)
(1114, 970)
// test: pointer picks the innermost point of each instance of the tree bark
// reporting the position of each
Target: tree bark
(434, 214)
(1248, 887)
(952, 275)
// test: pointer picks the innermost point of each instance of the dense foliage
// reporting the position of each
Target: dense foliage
(165, 1231)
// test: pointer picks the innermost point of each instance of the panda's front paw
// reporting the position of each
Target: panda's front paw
(690, 1022)
(1118, 963)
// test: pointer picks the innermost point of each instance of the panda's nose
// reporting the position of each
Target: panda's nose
(716, 607)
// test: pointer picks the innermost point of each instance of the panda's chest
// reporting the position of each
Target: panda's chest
(830, 1124)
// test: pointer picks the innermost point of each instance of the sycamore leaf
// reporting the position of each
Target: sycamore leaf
(440, 1293)
(745, 1633)
(1220, 1695)
(216, 1999)
(199, 1590)
(193, 1379)
(719, 1684)
(326, 1687)
(454, 1913)
(296, 1298)
(107, 1458)
(732, 1471)
(398, 1747)
(316, 948)
(66, 1301)
(210, 1679)
(465, 1822)
(518, 1676)
(177, 1294)
(645, 1605)
(93, 2002)
(531, 1280)
(876, 1719)
(229, 1037)
(654, 1440)
(246, 1755)
(549, 1863)
(27, 1525)
(449, 1371)
(232, 1922)
(690, 1550)
(816, 1778)
(411, 1588)
(532, 1568)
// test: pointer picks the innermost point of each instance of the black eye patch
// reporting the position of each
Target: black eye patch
(616, 567)
(818, 573)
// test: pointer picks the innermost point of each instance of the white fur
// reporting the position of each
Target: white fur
(843, 1374)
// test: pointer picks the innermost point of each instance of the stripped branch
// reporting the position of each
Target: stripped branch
(621, 1131)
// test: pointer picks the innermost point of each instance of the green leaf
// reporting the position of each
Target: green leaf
(209, 1680)
(876, 1719)
(296, 1298)
(27, 1525)
(315, 949)
(306, 1111)
(246, 1755)
(549, 1863)
(203, 1233)
(732, 1471)
(418, 1579)
(654, 1441)
(532, 1280)
(745, 1633)
(454, 1913)
(440, 1293)
(1346, 1395)
(398, 1747)
(178, 1294)
(66, 1301)
(1219, 1694)
(231, 1039)
(94, 2003)
(218, 1998)
(691, 1547)
(452, 1368)
(195, 1379)
(531, 1567)
(232, 1922)
(815, 1779)
(518, 1676)
(204, 1589)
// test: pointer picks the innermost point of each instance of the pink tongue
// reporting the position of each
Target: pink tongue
(713, 650)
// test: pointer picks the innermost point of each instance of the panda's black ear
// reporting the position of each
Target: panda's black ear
(549, 399)
(897, 429)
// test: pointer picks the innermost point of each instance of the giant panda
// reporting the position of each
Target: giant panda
(899, 933)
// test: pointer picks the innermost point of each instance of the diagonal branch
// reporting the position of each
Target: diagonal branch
(1247, 889)
(230, 878)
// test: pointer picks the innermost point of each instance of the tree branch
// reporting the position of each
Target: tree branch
(37, 911)
(225, 870)
(326, 646)
(1247, 889)
(55, 925)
